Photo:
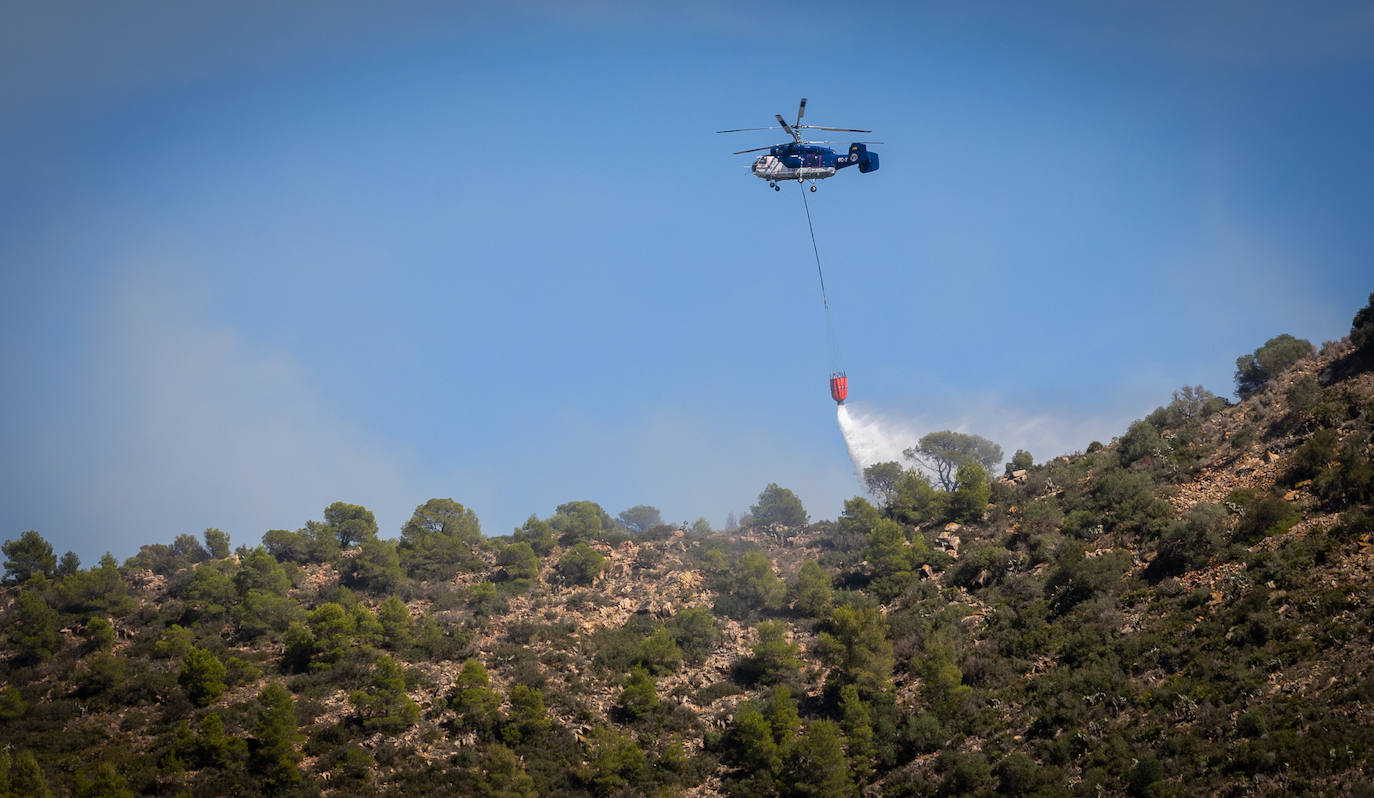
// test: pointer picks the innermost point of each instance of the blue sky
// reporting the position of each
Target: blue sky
(257, 260)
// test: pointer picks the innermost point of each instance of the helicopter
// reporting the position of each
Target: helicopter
(806, 160)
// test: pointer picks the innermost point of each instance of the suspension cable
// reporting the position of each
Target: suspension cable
(831, 338)
(824, 301)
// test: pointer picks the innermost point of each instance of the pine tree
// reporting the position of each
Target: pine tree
(33, 627)
(812, 595)
(614, 760)
(105, 783)
(781, 711)
(478, 706)
(639, 698)
(857, 723)
(754, 748)
(500, 776)
(528, 721)
(818, 766)
(202, 674)
(384, 706)
(395, 620)
(26, 777)
(273, 746)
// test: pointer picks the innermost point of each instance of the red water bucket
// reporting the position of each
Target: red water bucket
(839, 387)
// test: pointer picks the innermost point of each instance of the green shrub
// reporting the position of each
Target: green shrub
(1077, 578)
(1351, 480)
(748, 588)
(478, 706)
(1362, 338)
(773, 660)
(581, 522)
(969, 499)
(384, 706)
(375, 569)
(980, 567)
(965, 773)
(857, 644)
(528, 721)
(1141, 440)
(639, 697)
(581, 565)
(811, 593)
(27, 556)
(1312, 457)
(1189, 544)
(778, 506)
(615, 761)
(519, 561)
(1261, 515)
(1303, 395)
(1254, 371)
(917, 500)
(1147, 772)
(203, 676)
(695, 632)
(1041, 516)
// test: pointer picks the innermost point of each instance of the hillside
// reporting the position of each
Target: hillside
(1185, 610)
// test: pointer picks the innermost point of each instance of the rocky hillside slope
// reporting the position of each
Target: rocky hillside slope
(1185, 610)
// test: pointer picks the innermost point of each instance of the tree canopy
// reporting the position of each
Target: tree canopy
(881, 480)
(945, 451)
(1362, 336)
(28, 555)
(351, 523)
(1255, 370)
(778, 505)
(640, 518)
(438, 539)
(581, 522)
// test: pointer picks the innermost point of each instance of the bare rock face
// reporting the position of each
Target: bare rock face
(947, 541)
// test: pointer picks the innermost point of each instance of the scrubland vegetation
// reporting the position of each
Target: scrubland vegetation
(1183, 610)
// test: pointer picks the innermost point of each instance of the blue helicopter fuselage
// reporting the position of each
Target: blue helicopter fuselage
(794, 161)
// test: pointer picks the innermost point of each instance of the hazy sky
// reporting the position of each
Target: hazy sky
(259, 257)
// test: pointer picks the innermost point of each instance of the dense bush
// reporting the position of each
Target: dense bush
(581, 565)
(748, 588)
(1254, 371)
(1261, 514)
(780, 506)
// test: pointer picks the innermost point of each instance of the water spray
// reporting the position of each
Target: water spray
(870, 439)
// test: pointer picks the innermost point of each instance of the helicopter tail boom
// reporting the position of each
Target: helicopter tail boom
(867, 161)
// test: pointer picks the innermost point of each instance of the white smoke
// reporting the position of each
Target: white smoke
(873, 439)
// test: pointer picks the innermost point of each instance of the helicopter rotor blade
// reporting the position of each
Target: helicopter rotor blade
(801, 109)
(836, 129)
(743, 129)
(756, 149)
(793, 133)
